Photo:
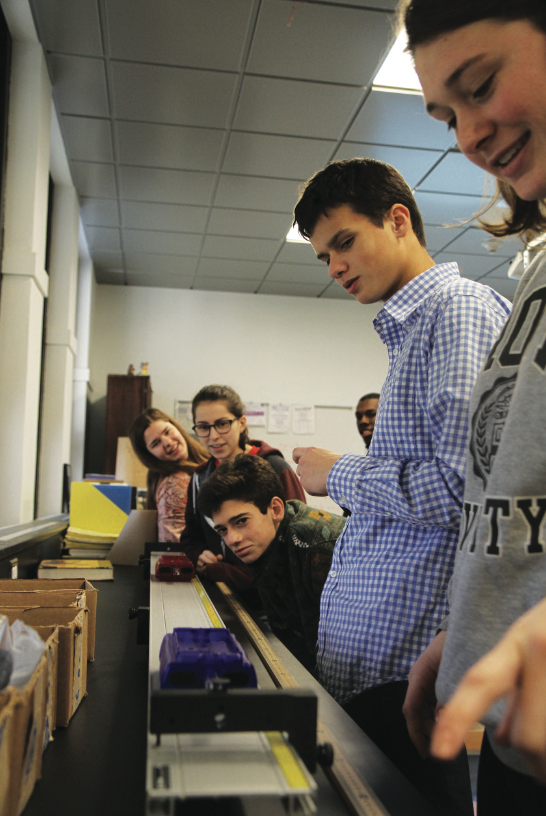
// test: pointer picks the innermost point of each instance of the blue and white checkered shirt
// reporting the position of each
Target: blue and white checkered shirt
(386, 591)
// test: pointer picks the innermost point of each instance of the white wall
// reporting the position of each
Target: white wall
(269, 348)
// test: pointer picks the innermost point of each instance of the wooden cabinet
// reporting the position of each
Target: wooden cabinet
(126, 397)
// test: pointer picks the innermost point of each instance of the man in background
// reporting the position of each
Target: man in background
(365, 416)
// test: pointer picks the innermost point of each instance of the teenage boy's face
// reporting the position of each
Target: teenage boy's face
(247, 531)
(361, 257)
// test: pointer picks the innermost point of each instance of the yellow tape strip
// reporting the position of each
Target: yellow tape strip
(286, 761)
(209, 609)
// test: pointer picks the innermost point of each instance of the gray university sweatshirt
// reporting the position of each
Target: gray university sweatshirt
(500, 569)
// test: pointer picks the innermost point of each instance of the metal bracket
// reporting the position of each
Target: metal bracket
(142, 614)
(199, 711)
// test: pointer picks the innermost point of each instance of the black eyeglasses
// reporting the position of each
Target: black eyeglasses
(221, 426)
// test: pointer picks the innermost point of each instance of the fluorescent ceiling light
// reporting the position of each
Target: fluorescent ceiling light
(397, 74)
(294, 237)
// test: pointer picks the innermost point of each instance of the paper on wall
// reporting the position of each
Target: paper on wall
(183, 415)
(255, 413)
(303, 419)
(278, 420)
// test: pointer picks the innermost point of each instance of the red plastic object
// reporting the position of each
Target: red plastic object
(174, 567)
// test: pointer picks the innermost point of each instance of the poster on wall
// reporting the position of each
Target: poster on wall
(255, 413)
(303, 419)
(183, 415)
(278, 420)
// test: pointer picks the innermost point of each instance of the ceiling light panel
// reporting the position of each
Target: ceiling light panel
(398, 70)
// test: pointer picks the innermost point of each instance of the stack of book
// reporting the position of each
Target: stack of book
(97, 515)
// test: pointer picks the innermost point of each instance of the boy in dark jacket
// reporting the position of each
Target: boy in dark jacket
(287, 546)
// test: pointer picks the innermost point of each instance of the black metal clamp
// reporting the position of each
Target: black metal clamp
(202, 711)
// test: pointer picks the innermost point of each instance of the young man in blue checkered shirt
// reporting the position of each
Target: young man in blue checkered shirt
(386, 592)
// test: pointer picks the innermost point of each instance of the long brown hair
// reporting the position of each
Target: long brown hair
(234, 403)
(157, 468)
(425, 20)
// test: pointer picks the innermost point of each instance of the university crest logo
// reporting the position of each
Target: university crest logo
(488, 425)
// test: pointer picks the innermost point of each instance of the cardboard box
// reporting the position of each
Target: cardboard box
(22, 725)
(64, 598)
(50, 634)
(72, 663)
(7, 720)
(36, 585)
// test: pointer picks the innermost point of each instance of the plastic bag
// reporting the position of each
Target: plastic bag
(6, 656)
(28, 648)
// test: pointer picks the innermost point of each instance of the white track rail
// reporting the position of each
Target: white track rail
(196, 765)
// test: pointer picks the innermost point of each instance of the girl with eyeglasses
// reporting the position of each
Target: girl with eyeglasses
(171, 457)
(220, 424)
(482, 66)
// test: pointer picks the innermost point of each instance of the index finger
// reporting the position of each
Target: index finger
(489, 679)
(297, 453)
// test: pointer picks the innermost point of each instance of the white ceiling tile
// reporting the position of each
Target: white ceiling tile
(251, 249)
(87, 139)
(322, 43)
(500, 271)
(504, 286)
(439, 237)
(182, 148)
(225, 285)
(279, 156)
(163, 280)
(390, 5)
(69, 27)
(472, 240)
(439, 209)
(470, 266)
(108, 260)
(337, 292)
(455, 174)
(238, 270)
(411, 164)
(299, 273)
(99, 212)
(160, 264)
(94, 180)
(165, 186)
(292, 108)
(299, 253)
(400, 120)
(178, 96)
(112, 277)
(171, 217)
(206, 34)
(79, 85)
(275, 195)
(249, 224)
(291, 289)
(103, 239)
(161, 243)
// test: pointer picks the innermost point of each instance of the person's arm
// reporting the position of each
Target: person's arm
(171, 500)
(515, 669)
(238, 578)
(428, 491)
(314, 466)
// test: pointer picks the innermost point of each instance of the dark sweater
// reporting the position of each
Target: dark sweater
(198, 535)
(290, 575)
